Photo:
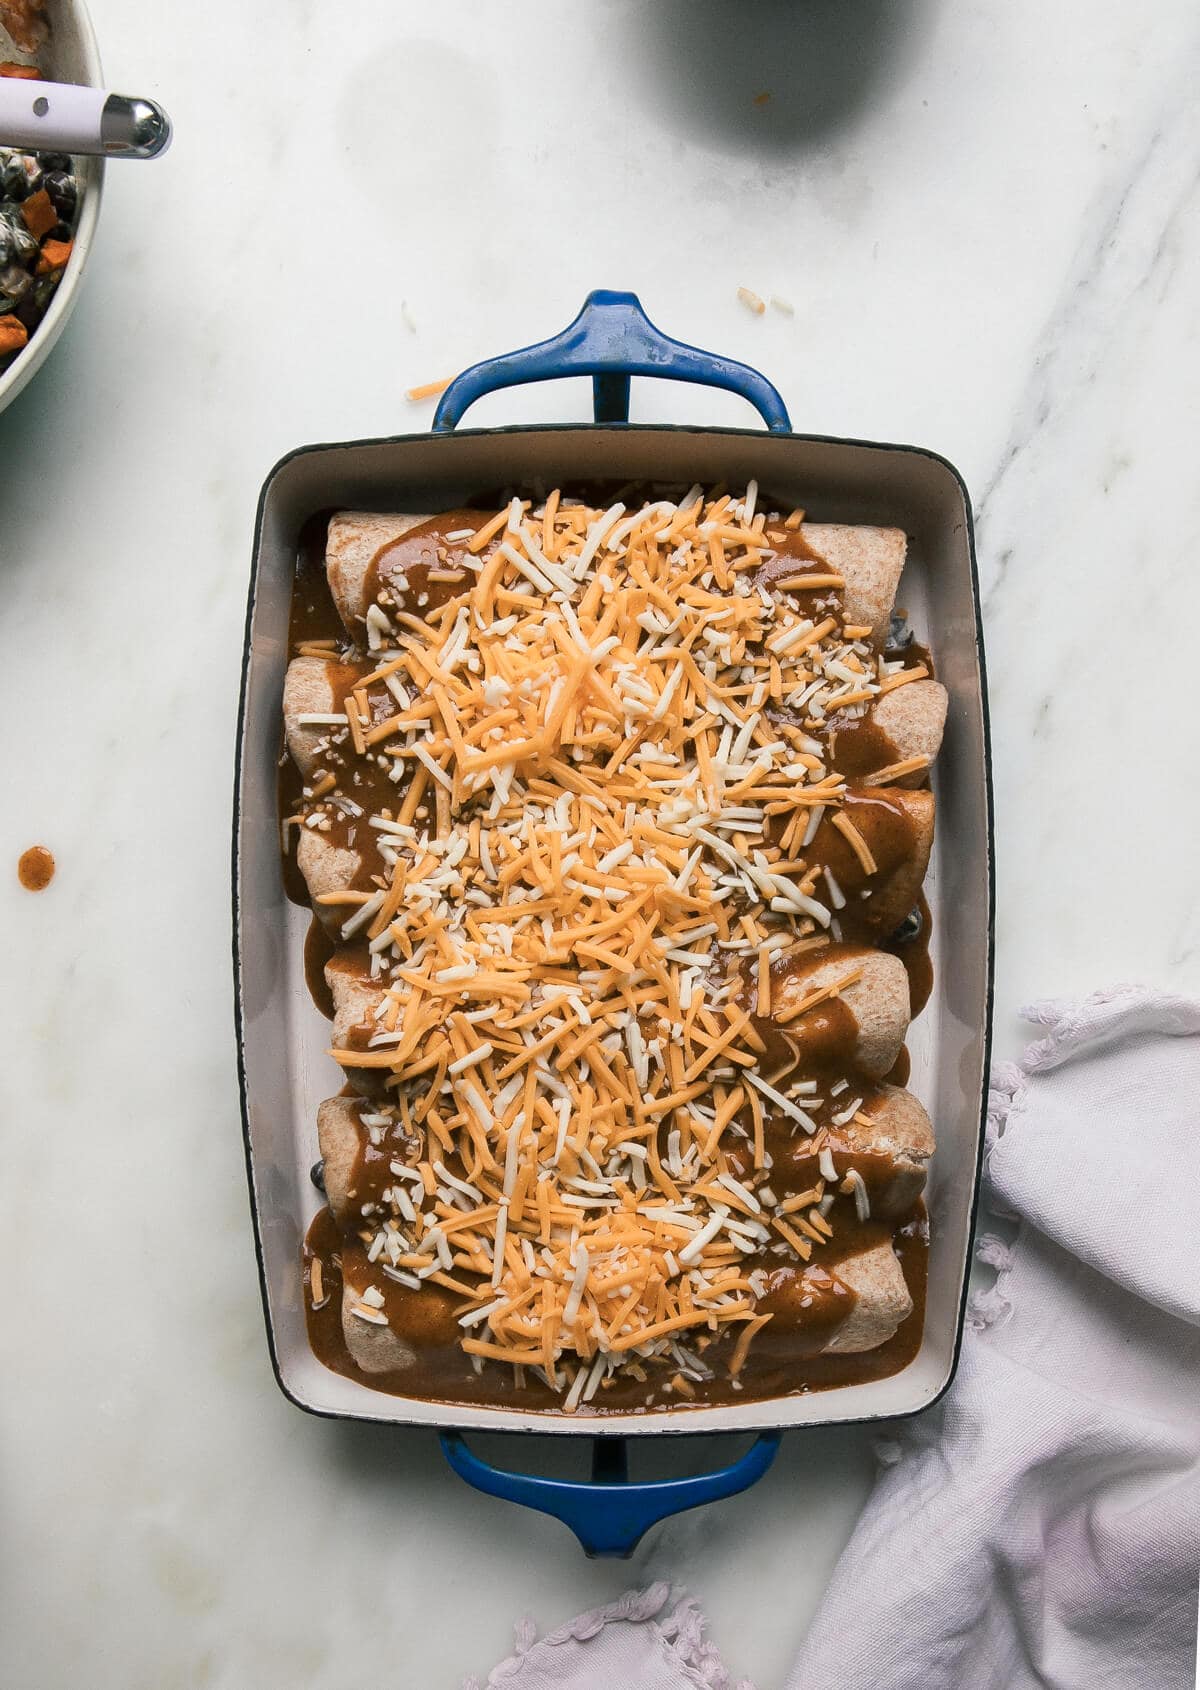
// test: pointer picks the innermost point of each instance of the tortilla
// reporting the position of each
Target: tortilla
(355, 999)
(889, 1148)
(877, 1000)
(896, 887)
(354, 541)
(424, 1321)
(882, 1300)
(328, 868)
(869, 560)
(913, 717)
(340, 1134)
(308, 691)
(891, 901)
(900, 1137)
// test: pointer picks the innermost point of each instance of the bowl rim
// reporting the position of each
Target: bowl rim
(31, 358)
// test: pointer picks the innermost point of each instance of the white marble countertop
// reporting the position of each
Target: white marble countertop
(985, 217)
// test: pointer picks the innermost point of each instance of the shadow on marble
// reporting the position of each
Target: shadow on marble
(767, 77)
(400, 1466)
(27, 424)
(394, 1456)
(405, 1468)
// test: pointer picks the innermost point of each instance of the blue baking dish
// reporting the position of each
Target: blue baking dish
(281, 1037)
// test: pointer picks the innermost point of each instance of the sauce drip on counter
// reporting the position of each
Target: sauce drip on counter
(895, 825)
(35, 868)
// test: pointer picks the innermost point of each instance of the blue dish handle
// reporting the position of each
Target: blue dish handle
(608, 1514)
(611, 339)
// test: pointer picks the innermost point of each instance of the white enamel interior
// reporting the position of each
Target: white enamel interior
(286, 1072)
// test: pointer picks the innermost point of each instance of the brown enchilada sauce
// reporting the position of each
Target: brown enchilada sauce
(318, 953)
(900, 1070)
(808, 1301)
(913, 950)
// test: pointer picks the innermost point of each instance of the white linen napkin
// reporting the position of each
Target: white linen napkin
(628, 1645)
(1041, 1527)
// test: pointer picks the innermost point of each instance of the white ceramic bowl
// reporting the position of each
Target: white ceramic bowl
(69, 55)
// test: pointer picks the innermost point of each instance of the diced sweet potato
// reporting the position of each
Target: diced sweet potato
(25, 21)
(13, 335)
(38, 213)
(53, 256)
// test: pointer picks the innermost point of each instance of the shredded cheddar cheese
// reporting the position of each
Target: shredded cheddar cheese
(608, 757)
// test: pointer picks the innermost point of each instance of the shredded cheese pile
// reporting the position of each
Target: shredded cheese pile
(596, 852)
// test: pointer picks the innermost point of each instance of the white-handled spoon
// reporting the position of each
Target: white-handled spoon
(60, 117)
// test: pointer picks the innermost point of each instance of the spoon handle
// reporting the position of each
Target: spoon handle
(62, 117)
